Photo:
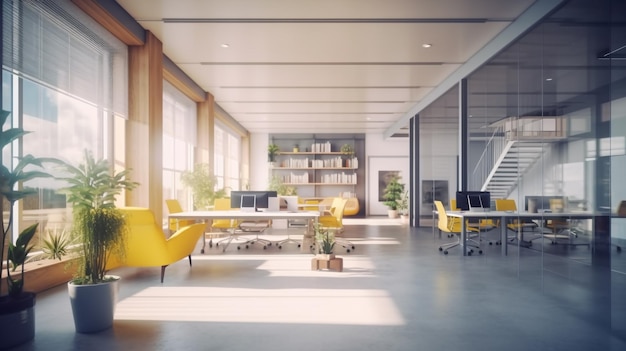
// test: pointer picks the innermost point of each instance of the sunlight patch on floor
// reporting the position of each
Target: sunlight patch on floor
(240, 305)
(373, 221)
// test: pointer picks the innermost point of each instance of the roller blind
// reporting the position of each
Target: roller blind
(56, 44)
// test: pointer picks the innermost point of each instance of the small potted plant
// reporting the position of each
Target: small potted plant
(17, 314)
(272, 151)
(202, 184)
(392, 195)
(99, 228)
(347, 153)
(325, 242)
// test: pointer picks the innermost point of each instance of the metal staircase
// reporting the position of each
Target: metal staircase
(516, 158)
(515, 146)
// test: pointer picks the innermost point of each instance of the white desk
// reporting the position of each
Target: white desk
(504, 216)
(254, 216)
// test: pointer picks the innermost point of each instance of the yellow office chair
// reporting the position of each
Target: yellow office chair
(146, 246)
(230, 226)
(333, 220)
(561, 228)
(518, 226)
(173, 206)
(483, 225)
(452, 225)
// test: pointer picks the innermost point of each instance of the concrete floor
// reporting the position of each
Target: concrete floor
(397, 292)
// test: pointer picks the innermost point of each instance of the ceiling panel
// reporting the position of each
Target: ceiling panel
(351, 66)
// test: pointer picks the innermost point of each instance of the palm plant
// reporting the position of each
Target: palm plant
(98, 225)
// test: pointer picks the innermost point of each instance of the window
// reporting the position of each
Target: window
(227, 158)
(65, 82)
(179, 140)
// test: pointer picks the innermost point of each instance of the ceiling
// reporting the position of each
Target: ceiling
(350, 66)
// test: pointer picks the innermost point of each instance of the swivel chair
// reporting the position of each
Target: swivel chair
(230, 226)
(173, 206)
(452, 225)
(517, 226)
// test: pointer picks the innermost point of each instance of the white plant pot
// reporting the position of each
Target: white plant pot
(93, 305)
(392, 213)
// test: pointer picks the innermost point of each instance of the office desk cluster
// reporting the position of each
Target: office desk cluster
(308, 216)
(505, 217)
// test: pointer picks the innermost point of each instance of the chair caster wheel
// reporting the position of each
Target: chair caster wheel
(298, 245)
(246, 246)
(480, 252)
(264, 247)
(353, 247)
(280, 247)
(619, 249)
(348, 250)
(202, 251)
(490, 243)
(445, 252)
(469, 253)
(440, 249)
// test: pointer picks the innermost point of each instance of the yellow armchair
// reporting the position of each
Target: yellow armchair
(146, 245)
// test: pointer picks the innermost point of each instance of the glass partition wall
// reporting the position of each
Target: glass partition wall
(546, 127)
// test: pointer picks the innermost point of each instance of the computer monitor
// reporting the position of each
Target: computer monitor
(248, 202)
(468, 200)
(540, 203)
(261, 198)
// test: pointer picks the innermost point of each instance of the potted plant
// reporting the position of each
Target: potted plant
(99, 228)
(202, 184)
(17, 306)
(279, 186)
(403, 207)
(272, 151)
(325, 242)
(392, 195)
(347, 151)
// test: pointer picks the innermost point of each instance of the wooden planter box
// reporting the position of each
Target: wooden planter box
(45, 274)
(329, 262)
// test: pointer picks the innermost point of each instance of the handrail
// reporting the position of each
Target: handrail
(487, 160)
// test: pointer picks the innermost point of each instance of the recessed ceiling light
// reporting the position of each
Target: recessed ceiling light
(225, 45)
(548, 79)
(427, 45)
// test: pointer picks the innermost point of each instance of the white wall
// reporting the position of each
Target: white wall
(383, 154)
(259, 169)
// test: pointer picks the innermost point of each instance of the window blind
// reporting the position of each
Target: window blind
(55, 44)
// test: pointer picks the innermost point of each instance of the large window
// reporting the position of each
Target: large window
(227, 159)
(64, 80)
(179, 139)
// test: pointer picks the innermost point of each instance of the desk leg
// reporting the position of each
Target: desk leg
(503, 239)
(463, 237)
(308, 239)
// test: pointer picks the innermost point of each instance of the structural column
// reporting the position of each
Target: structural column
(144, 136)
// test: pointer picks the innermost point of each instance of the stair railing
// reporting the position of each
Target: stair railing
(491, 153)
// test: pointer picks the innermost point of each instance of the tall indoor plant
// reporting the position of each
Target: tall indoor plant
(99, 229)
(203, 186)
(17, 315)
